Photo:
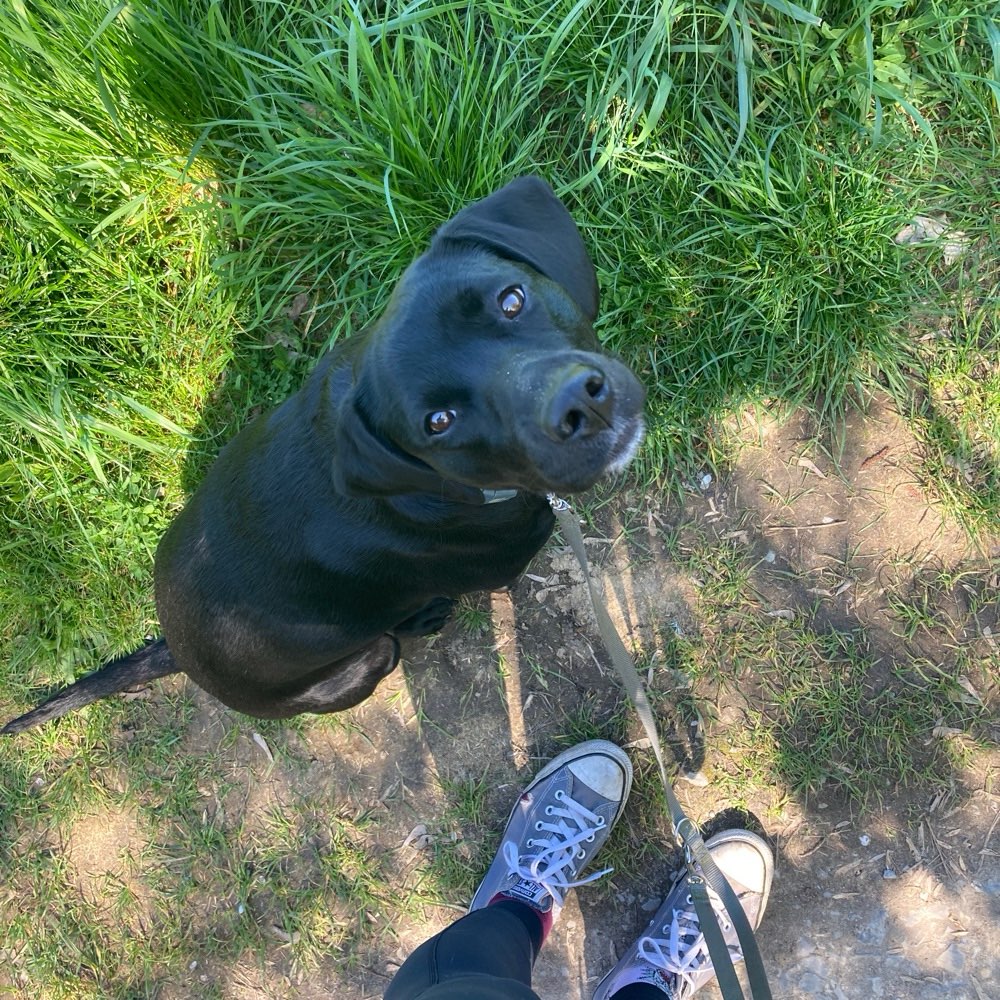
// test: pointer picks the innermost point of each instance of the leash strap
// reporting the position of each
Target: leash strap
(702, 869)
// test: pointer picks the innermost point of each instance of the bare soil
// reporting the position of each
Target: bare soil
(900, 900)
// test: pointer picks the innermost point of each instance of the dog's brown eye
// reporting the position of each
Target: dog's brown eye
(511, 301)
(440, 420)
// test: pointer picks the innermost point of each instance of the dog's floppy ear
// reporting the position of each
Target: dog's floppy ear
(525, 221)
(366, 465)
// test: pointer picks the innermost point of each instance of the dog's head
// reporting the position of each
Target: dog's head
(484, 370)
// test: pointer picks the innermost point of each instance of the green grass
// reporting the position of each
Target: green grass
(460, 851)
(831, 707)
(472, 614)
(197, 197)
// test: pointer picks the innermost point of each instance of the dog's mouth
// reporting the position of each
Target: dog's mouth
(577, 467)
(627, 446)
(566, 471)
(545, 466)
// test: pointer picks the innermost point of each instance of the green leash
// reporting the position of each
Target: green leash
(703, 873)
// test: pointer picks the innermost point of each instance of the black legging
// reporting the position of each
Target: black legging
(487, 955)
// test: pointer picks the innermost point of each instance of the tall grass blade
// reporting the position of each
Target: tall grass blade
(991, 29)
(794, 11)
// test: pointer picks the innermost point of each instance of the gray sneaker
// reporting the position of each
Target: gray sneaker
(672, 954)
(560, 822)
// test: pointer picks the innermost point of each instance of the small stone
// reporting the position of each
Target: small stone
(810, 983)
(804, 947)
(696, 778)
(952, 960)
(888, 873)
(282, 935)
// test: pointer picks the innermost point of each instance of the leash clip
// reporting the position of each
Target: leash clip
(556, 503)
(686, 831)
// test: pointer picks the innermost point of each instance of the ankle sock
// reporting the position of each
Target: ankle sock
(641, 991)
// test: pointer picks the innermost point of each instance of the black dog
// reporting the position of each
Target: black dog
(412, 467)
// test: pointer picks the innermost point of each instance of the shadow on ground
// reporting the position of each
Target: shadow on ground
(820, 645)
(838, 660)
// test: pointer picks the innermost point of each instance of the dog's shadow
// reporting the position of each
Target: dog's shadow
(512, 681)
(517, 676)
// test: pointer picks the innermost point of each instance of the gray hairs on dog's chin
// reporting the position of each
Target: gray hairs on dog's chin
(626, 451)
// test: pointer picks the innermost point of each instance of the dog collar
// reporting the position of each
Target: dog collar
(498, 496)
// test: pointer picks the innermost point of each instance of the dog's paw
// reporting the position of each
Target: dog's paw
(430, 618)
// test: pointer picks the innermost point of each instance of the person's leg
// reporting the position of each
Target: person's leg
(490, 949)
(671, 959)
(559, 823)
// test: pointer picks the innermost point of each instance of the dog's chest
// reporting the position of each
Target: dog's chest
(472, 544)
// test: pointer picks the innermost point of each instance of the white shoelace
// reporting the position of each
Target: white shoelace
(553, 866)
(684, 951)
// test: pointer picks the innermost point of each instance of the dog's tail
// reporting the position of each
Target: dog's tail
(144, 664)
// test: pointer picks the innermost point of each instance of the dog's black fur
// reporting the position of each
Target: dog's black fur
(355, 512)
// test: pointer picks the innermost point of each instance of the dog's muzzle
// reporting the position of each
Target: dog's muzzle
(587, 417)
(581, 404)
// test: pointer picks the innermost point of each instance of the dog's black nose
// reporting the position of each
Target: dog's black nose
(581, 404)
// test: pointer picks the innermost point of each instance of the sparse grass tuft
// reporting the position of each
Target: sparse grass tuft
(461, 853)
(848, 710)
(473, 614)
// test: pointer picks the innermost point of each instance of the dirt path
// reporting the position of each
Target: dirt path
(899, 899)
(806, 627)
